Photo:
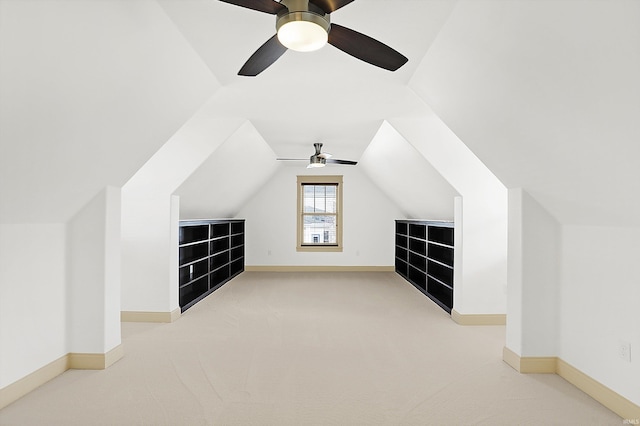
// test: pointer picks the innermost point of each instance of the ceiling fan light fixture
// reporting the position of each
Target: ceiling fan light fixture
(303, 31)
(316, 161)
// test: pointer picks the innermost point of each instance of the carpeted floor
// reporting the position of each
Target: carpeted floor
(309, 349)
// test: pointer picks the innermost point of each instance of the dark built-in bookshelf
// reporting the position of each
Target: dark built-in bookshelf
(211, 252)
(424, 257)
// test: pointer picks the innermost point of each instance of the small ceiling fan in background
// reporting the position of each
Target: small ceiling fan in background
(320, 159)
(305, 26)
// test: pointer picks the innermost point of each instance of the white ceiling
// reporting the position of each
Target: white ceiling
(323, 96)
(544, 93)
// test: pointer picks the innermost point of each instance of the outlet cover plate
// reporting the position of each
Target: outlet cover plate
(624, 350)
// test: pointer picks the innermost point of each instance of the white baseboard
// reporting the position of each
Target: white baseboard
(605, 396)
(84, 361)
(141, 316)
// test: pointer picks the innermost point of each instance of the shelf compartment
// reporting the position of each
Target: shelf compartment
(237, 240)
(194, 290)
(191, 253)
(219, 260)
(237, 253)
(219, 230)
(401, 228)
(193, 271)
(236, 267)
(418, 262)
(402, 267)
(441, 292)
(190, 234)
(184, 275)
(237, 227)
(441, 253)
(402, 253)
(418, 246)
(418, 230)
(417, 277)
(441, 272)
(442, 235)
(220, 275)
(219, 244)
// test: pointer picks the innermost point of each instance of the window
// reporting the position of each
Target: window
(319, 213)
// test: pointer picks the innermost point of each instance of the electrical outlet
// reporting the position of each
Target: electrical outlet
(624, 350)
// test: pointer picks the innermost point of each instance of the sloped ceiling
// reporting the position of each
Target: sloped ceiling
(324, 96)
(413, 184)
(88, 92)
(544, 93)
(547, 95)
(234, 172)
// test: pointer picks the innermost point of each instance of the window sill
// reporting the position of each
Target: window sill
(319, 248)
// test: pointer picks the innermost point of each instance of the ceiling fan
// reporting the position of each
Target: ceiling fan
(305, 26)
(320, 159)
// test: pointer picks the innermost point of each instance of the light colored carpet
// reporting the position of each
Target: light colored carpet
(309, 349)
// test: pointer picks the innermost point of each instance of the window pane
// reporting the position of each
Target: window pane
(308, 199)
(319, 199)
(331, 204)
(319, 230)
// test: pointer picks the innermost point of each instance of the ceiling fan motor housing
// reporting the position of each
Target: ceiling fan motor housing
(302, 11)
(317, 159)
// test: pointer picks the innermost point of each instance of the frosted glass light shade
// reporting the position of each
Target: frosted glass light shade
(302, 36)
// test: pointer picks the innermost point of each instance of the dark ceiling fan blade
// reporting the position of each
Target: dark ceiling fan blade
(266, 6)
(336, 161)
(262, 58)
(330, 5)
(365, 48)
(292, 159)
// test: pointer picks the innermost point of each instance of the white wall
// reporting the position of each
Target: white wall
(32, 298)
(546, 95)
(534, 276)
(93, 288)
(148, 220)
(482, 277)
(368, 222)
(599, 304)
(60, 288)
(88, 92)
(150, 213)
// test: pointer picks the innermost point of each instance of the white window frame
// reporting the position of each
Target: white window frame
(319, 180)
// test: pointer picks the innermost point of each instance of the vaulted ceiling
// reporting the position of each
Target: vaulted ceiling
(323, 96)
(546, 94)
